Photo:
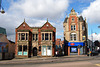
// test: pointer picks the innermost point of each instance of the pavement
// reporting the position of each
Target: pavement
(45, 60)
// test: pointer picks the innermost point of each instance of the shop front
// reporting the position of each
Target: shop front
(46, 50)
(75, 48)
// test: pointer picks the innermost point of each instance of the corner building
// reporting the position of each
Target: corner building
(75, 34)
(35, 41)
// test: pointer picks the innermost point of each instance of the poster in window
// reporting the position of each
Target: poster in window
(74, 49)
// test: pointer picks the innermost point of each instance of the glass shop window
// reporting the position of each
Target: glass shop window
(20, 48)
(25, 48)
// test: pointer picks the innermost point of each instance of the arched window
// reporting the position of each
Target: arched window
(73, 37)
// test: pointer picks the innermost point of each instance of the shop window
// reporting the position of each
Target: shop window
(50, 37)
(44, 50)
(73, 49)
(42, 36)
(36, 36)
(49, 50)
(20, 48)
(46, 36)
(22, 36)
(49, 47)
(25, 48)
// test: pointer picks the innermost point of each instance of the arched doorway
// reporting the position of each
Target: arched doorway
(34, 51)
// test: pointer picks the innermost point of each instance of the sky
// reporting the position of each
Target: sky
(36, 13)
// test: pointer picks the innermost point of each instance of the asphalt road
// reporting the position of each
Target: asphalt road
(90, 63)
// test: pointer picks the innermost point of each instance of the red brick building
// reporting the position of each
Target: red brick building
(35, 41)
(59, 43)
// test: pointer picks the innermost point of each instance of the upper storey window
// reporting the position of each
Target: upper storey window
(35, 36)
(73, 27)
(73, 36)
(46, 36)
(22, 36)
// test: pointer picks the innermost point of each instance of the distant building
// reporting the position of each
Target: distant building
(75, 34)
(7, 49)
(2, 30)
(35, 41)
(59, 47)
(59, 44)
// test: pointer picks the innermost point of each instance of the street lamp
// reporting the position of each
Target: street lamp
(1, 8)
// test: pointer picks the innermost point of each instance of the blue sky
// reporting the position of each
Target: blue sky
(37, 11)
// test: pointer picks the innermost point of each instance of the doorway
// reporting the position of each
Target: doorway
(34, 51)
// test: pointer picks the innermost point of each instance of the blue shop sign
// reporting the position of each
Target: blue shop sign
(75, 44)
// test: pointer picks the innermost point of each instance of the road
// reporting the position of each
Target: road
(89, 63)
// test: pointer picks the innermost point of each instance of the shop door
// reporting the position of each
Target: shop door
(44, 50)
(49, 51)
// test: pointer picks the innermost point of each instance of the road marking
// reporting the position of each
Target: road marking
(97, 65)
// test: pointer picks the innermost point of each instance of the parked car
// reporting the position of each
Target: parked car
(93, 53)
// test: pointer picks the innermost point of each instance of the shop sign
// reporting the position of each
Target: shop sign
(72, 44)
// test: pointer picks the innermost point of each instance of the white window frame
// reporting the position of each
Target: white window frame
(72, 37)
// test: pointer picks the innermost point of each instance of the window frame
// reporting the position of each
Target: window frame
(73, 37)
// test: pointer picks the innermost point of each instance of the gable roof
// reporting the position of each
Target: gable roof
(22, 24)
(47, 23)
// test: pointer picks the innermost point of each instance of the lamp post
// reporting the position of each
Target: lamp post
(1, 8)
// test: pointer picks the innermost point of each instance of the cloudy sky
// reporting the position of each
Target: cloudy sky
(36, 13)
